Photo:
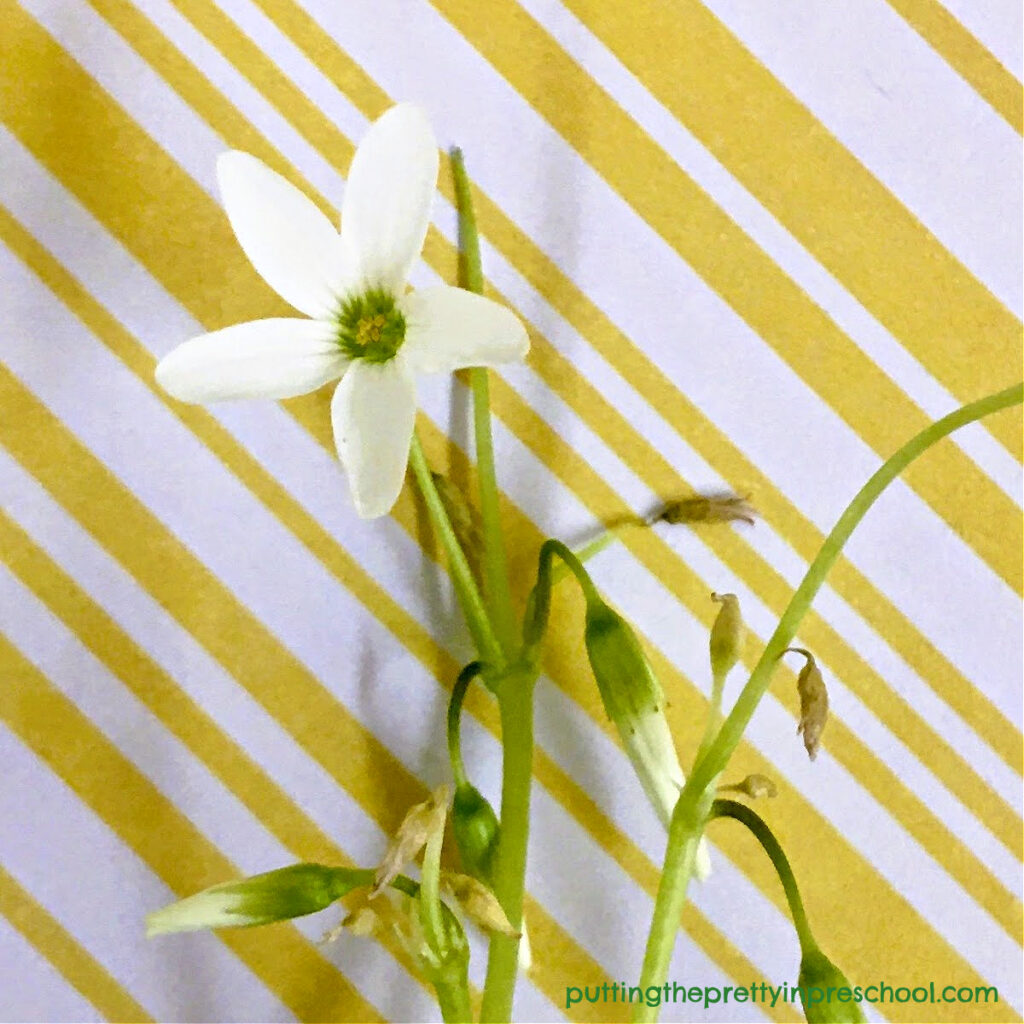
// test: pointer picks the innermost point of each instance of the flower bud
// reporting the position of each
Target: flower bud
(821, 983)
(476, 829)
(708, 508)
(754, 786)
(633, 700)
(728, 635)
(813, 702)
(262, 899)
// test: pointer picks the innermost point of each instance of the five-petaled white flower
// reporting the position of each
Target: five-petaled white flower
(364, 327)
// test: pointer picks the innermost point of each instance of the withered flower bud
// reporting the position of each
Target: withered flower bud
(813, 701)
(754, 786)
(418, 825)
(708, 508)
(477, 902)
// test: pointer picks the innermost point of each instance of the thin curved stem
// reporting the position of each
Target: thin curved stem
(764, 835)
(466, 676)
(691, 810)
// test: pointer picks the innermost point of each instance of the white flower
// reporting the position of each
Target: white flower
(364, 327)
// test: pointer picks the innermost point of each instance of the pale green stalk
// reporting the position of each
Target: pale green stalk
(694, 801)
(462, 576)
(495, 560)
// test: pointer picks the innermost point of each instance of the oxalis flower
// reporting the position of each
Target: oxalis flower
(363, 326)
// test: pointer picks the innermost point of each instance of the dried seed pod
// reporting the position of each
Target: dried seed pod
(813, 701)
(708, 508)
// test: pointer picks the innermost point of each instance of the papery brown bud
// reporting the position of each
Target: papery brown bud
(813, 701)
(708, 508)
(754, 786)
(477, 902)
(419, 824)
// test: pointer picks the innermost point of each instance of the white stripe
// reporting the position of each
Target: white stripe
(998, 25)
(894, 103)
(33, 988)
(98, 889)
(826, 291)
(994, 661)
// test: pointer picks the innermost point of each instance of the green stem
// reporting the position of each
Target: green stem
(764, 835)
(453, 998)
(462, 576)
(714, 721)
(495, 560)
(466, 676)
(430, 893)
(691, 810)
(515, 703)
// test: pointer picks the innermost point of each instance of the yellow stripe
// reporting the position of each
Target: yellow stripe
(229, 299)
(549, 939)
(972, 704)
(81, 970)
(966, 56)
(761, 294)
(99, 774)
(289, 824)
(926, 744)
(799, 171)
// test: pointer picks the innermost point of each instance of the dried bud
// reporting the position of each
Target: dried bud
(397, 913)
(262, 899)
(633, 700)
(477, 902)
(476, 829)
(813, 701)
(420, 823)
(754, 786)
(728, 635)
(826, 993)
(708, 508)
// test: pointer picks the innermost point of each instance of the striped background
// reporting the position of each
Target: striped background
(758, 245)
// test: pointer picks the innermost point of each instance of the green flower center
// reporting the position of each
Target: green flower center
(370, 326)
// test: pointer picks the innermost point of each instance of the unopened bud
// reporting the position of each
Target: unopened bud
(728, 635)
(419, 824)
(821, 986)
(633, 700)
(754, 786)
(262, 899)
(813, 701)
(708, 508)
(476, 829)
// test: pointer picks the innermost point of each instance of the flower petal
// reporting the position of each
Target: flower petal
(448, 328)
(261, 359)
(388, 197)
(373, 413)
(292, 245)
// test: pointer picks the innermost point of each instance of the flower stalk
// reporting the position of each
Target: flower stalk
(691, 811)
